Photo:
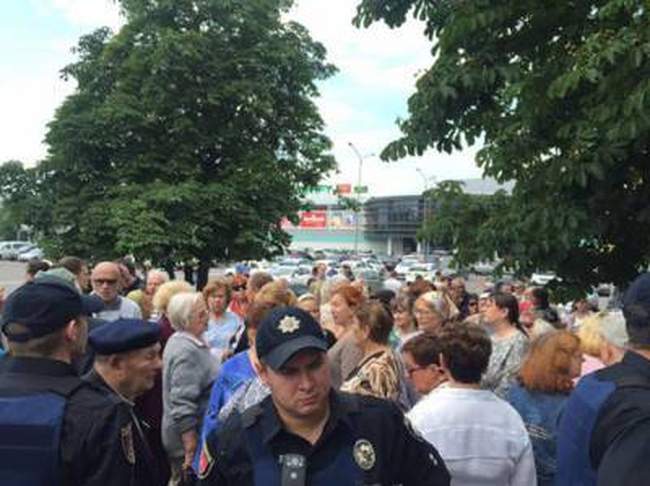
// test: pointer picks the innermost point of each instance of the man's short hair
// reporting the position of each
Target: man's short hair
(466, 349)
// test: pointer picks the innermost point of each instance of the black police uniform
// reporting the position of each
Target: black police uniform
(619, 442)
(365, 441)
(93, 449)
(139, 452)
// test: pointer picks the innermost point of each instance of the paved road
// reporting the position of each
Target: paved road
(12, 274)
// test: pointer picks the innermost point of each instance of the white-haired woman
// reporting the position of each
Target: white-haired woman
(189, 368)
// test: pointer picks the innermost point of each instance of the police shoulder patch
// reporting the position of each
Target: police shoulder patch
(364, 454)
(126, 437)
(206, 462)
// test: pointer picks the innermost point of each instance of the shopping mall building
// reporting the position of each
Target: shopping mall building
(386, 225)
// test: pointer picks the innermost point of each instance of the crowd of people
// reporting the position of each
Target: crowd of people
(136, 379)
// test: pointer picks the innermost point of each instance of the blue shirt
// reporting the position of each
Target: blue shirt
(220, 331)
(234, 373)
(541, 415)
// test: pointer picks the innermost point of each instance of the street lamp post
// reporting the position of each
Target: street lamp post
(425, 209)
(358, 191)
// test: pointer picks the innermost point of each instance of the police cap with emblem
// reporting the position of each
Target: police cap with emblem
(283, 332)
(123, 335)
(44, 306)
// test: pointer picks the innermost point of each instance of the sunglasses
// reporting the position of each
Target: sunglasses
(105, 281)
(239, 287)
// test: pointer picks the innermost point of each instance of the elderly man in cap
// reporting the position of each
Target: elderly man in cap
(127, 359)
(604, 430)
(307, 433)
(55, 429)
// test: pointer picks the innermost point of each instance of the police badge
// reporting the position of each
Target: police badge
(126, 436)
(364, 454)
(289, 324)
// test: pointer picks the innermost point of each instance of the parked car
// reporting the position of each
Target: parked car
(9, 250)
(424, 270)
(30, 253)
(542, 278)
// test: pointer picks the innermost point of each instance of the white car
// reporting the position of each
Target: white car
(30, 253)
(425, 270)
(9, 250)
(542, 278)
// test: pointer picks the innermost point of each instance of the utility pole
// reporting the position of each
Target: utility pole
(425, 209)
(358, 191)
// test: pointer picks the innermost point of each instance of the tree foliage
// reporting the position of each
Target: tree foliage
(191, 134)
(21, 201)
(558, 93)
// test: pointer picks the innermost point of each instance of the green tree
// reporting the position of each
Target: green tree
(21, 204)
(558, 93)
(191, 134)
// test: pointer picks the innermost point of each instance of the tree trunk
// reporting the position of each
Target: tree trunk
(202, 274)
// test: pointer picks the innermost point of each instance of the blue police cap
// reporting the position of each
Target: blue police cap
(123, 335)
(43, 307)
(283, 332)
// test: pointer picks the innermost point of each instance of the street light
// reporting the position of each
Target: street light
(426, 206)
(356, 219)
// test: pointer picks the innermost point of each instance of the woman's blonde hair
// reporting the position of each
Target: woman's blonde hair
(166, 291)
(591, 337)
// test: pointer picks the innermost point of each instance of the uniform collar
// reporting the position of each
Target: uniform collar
(638, 362)
(40, 366)
(342, 406)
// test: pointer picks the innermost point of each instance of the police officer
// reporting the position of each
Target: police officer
(604, 430)
(307, 433)
(55, 429)
(127, 360)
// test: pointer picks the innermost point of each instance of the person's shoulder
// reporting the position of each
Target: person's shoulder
(368, 406)
(90, 398)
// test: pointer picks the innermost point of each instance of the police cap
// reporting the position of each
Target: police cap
(285, 331)
(44, 306)
(636, 309)
(123, 335)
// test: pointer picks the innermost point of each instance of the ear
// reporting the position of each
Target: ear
(263, 372)
(72, 330)
(443, 365)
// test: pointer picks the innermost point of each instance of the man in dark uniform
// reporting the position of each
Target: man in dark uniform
(307, 433)
(605, 426)
(55, 429)
(127, 360)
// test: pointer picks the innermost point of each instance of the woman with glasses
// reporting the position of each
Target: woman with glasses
(189, 369)
(432, 310)
(238, 302)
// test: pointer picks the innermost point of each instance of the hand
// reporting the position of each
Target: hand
(190, 442)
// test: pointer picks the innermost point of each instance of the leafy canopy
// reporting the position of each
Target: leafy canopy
(191, 134)
(558, 93)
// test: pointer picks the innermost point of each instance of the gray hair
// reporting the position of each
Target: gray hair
(179, 309)
(159, 273)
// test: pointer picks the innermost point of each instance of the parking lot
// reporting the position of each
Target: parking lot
(12, 274)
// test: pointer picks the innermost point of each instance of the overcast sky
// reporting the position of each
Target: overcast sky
(377, 72)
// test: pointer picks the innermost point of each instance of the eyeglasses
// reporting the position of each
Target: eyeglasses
(410, 371)
(472, 303)
(105, 281)
(237, 288)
